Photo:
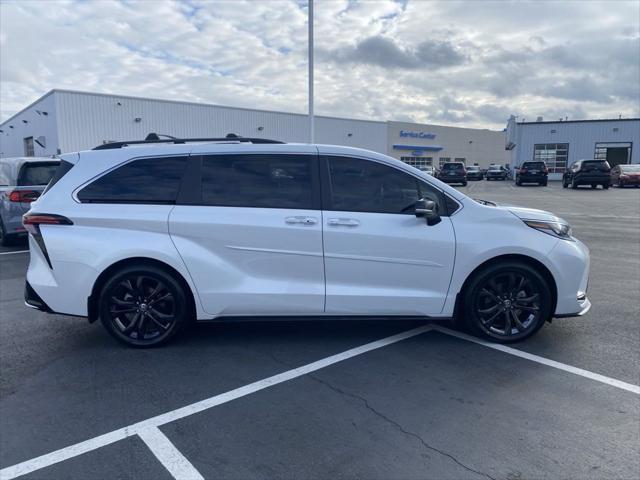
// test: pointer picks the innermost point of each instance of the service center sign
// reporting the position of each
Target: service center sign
(412, 134)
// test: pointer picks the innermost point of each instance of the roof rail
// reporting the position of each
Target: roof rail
(154, 138)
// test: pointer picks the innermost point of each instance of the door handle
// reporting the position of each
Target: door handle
(301, 220)
(343, 222)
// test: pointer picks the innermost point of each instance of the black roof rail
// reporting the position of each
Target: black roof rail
(154, 138)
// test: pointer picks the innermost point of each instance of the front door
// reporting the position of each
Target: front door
(253, 245)
(379, 257)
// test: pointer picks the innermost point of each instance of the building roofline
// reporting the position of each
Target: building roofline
(581, 121)
(198, 104)
(15, 115)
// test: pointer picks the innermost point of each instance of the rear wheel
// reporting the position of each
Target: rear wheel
(594, 185)
(544, 183)
(464, 184)
(5, 240)
(564, 184)
(507, 302)
(143, 306)
(605, 186)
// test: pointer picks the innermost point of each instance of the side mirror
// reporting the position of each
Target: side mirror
(429, 210)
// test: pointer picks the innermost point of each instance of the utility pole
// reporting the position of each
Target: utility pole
(310, 42)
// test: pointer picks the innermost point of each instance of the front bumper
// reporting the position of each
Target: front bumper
(586, 306)
(569, 264)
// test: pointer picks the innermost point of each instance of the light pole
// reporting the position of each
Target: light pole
(310, 42)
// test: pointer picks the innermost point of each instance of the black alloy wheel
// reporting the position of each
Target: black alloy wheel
(507, 302)
(143, 306)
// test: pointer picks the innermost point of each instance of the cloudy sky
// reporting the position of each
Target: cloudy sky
(467, 63)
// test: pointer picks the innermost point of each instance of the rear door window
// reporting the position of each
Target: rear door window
(258, 181)
(146, 180)
(36, 173)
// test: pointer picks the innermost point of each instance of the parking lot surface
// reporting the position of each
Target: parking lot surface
(340, 399)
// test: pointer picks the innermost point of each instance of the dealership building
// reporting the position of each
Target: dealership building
(66, 121)
(563, 142)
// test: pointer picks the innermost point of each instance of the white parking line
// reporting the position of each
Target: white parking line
(71, 451)
(544, 361)
(12, 253)
(169, 456)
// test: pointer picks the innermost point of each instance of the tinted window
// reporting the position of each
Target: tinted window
(473, 169)
(148, 180)
(453, 166)
(261, 181)
(538, 165)
(599, 165)
(61, 171)
(495, 168)
(365, 186)
(36, 173)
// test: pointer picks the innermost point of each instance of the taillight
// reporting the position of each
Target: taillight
(32, 222)
(523, 170)
(23, 196)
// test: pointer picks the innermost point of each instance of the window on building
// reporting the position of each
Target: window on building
(29, 150)
(418, 162)
(365, 186)
(259, 181)
(553, 154)
(463, 160)
(443, 160)
(148, 180)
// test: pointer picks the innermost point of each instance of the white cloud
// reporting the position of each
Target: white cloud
(466, 63)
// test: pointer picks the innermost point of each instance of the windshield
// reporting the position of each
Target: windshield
(629, 168)
(453, 166)
(32, 173)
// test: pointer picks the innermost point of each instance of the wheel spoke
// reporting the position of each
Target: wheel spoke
(128, 286)
(507, 323)
(157, 322)
(490, 320)
(160, 315)
(490, 294)
(133, 323)
(489, 310)
(156, 291)
(160, 299)
(117, 310)
(517, 321)
(140, 328)
(124, 303)
(530, 299)
(526, 307)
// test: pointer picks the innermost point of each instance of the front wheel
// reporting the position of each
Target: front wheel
(605, 186)
(143, 306)
(507, 302)
(574, 184)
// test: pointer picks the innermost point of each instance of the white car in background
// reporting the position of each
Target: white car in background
(148, 235)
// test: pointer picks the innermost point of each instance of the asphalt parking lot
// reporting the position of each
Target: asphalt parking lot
(385, 399)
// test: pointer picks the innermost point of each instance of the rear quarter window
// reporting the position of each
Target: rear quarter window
(146, 180)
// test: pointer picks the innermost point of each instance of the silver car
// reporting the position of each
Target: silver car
(22, 180)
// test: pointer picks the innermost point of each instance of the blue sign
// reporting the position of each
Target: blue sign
(412, 134)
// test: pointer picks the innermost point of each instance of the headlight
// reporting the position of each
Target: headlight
(555, 229)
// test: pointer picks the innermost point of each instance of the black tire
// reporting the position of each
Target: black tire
(5, 240)
(143, 306)
(564, 184)
(491, 298)
(605, 186)
(574, 184)
(544, 184)
(595, 185)
(519, 183)
(464, 184)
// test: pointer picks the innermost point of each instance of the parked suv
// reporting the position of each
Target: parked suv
(453, 172)
(147, 236)
(474, 173)
(496, 172)
(22, 180)
(587, 172)
(532, 172)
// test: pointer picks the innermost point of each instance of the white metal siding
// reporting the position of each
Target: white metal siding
(12, 139)
(581, 137)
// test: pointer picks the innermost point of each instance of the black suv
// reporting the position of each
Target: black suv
(453, 172)
(587, 172)
(532, 172)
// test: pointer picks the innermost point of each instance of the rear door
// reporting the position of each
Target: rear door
(379, 257)
(252, 235)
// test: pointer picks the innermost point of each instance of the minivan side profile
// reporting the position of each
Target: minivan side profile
(146, 237)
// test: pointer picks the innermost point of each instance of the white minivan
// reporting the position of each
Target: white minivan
(148, 235)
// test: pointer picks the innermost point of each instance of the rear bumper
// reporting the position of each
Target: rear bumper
(33, 300)
(496, 177)
(532, 178)
(600, 179)
(456, 179)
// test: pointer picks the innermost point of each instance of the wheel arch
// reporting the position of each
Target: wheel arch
(532, 262)
(92, 301)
